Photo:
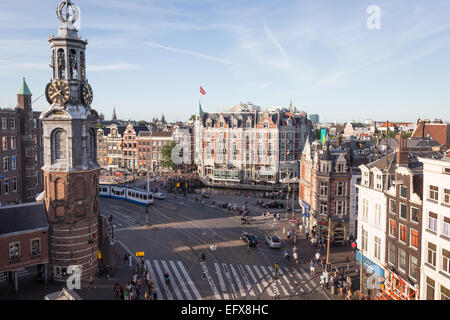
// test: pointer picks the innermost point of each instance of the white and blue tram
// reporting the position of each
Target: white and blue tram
(141, 197)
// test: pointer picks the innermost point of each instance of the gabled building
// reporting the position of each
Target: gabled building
(436, 130)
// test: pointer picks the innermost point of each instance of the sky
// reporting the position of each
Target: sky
(146, 58)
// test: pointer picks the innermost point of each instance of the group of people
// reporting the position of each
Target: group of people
(140, 281)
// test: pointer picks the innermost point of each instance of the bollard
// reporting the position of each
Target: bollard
(333, 290)
(284, 230)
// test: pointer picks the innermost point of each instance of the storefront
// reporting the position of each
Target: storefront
(373, 276)
(395, 288)
(305, 214)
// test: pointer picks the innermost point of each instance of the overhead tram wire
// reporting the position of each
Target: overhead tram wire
(38, 98)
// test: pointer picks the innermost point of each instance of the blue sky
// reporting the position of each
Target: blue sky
(150, 57)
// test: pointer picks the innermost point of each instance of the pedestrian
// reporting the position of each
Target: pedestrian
(311, 267)
(289, 234)
(129, 259)
(317, 256)
(147, 295)
(126, 294)
(341, 288)
(155, 293)
(295, 257)
(307, 234)
(324, 263)
(125, 258)
(349, 295)
(91, 281)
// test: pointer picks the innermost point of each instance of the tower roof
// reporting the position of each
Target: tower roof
(24, 90)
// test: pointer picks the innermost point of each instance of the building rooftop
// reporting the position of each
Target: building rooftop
(22, 217)
(24, 90)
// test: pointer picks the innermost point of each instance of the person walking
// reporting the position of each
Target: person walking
(311, 267)
(295, 255)
(317, 256)
(155, 293)
(126, 294)
(129, 259)
(147, 295)
(91, 282)
(324, 262)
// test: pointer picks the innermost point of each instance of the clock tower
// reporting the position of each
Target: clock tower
(71, 171)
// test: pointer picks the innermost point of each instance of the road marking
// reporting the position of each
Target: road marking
(308, 278)
(189, 281)
(150, 269)
(222, 283)
(238, 281)
(278, 281)
(180, 279)
(230, 281)
(290, 274)
(264, 282)
(172, 283)
(210, 281)
(254, 278)
(161, 277)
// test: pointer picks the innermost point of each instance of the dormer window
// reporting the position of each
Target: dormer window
(221, 124)
(365, 179)
(379, 181)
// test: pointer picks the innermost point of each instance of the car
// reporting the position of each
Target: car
(249, 238)
(222, 205)
(159, 196)
(273, 241)
(273, 205)
(204, 196)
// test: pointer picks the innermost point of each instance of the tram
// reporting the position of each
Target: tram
(137, 196)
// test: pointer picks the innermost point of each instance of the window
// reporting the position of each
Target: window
(341, 188)
(446, 196)
(445, 261)
(13, 163)
(446, 227)
(434, 193)
(430, 289)
(323, 208)
(414, 214)
(379, 181)
(403, 211)
(5, 143)
(403, 191)
(6, 186)
(392, 228)
(365, 179)
(392, 206)
(378, 214)
(391, 257)
(13, 142)
(377, 247)
(14, 251)
(341, 207)
(12, 123)
(4, 123)
(402, 233)
(35, 247)
(365, 238)
(401, 259)
(431, 259)
(323, 189)
(413, 267)
(365, 209)
(445, 293)
(414, 239)
(432, 221)
(14, 184)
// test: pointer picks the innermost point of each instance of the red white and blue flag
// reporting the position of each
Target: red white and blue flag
(202, 91)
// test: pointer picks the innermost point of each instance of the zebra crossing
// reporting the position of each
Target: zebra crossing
(222, 281)
(22, 272)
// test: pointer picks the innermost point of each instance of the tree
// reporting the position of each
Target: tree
(192, 118)
(167, 155)
(99, 126)
(318, 134)
(143, 122)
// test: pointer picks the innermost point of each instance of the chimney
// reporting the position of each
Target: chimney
(402, 155)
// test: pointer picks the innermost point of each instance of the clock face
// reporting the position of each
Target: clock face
(57, 92)
(87, 94)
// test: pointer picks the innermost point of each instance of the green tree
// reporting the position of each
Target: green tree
(192, 118)
(167, 155)
(143, 122)
(318, 134)
(99, 126)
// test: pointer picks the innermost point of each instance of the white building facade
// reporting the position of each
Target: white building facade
(435, 265)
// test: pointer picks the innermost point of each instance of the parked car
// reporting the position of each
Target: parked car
(273, 205)
(204, 196)
(249, 238)
(159, 196)
(222, 205)
(273, 241)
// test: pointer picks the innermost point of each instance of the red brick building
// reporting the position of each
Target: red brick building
(21, 151)
(23, 239)
(324, 190)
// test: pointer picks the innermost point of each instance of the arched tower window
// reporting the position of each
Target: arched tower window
(82, 65)
(73, 64)
(59, 145)
(53, 64)
(91, 145)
